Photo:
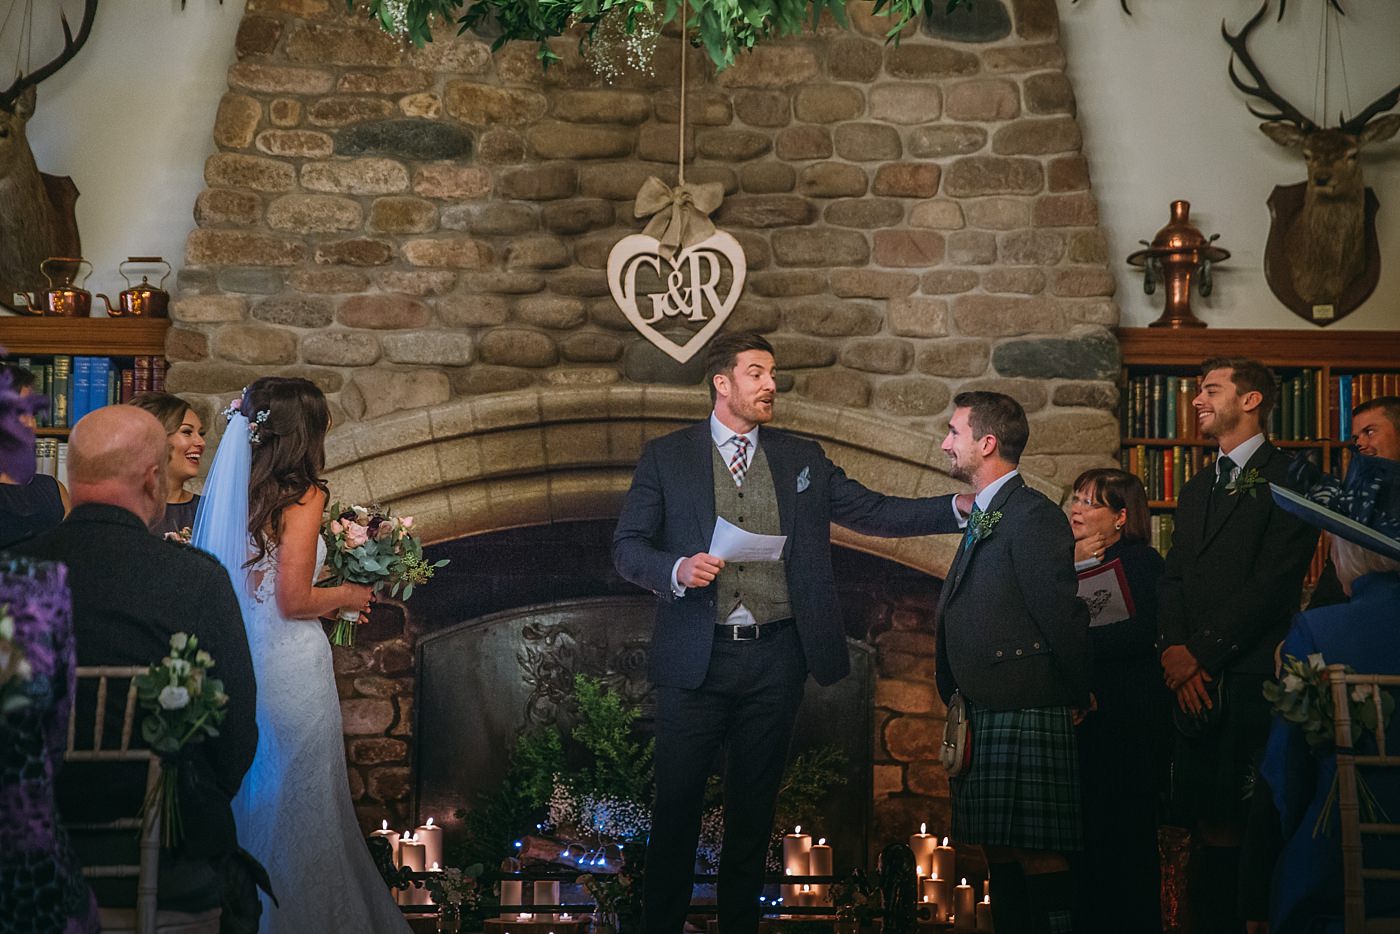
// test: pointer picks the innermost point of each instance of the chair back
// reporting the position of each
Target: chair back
(145, 870)
(1355, 872)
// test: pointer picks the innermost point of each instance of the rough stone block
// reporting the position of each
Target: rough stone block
(451, 181)
(800, 353)
(1032, 248)
(480, 380)
(405, 138)
(832, 180)
(1005, 316)
(234, 170)
(340, 348)
(1031, 393)
(402, 215)
(942, 140)
(452, 252)
(998, 213)
(577, 216)
(1049, 93)
(330, 280)
(1088, 246)
(765, 211)
(441, 348)
(537, 252)
(571, 141)
(378, 751)
(357, 252)
(1037, 137)
(518, 347)
(426, 105)
(185, 344)
(416, 281)
(828, 103)
(383, 312)
(929, 61)
(551, 311)
(540, 183)
(866, 213)
(257, 35)
(474, 311)
(498, 218)
(298, 311)
(1019, 58)
(906, 104)
(209, 377)
(392, 81)
(908, 248)
(972, 248)
(254, 279)
(602, 106)
(838, 387)
(278, 79)
(343, 111)
(831, 318)
(657, 142)
(314, 213)
(799, 143)
(255, 344)
(702, 108)
(284, 112)
(767, 178)
(1093, 356)
(377, 391)
(814, 246)
(912, 397)
(985, 100)
(954, 357)
(867, 142)
(917, 317)
(993, 175)
(500, 146)
(763, 108)
(216, 207)
(485, 105)
(237, 121)
(941, 214)
(361, 716)
(771, 66)
(872, 283)
(906, 180)
(208, 309)
(591, 347)
(296, 144)
(949, 281)
(367, 176)
(1023, 280)
(852, 59)
(914, 739)
(1082, 282)
(725, 145)
(904, 696)
(323, 44)
(1102, 395)
(237, 248)
(1071, 431)
(1076, 210)
(878, 355)
(1068, 173)
(454, 54)
(787, 283)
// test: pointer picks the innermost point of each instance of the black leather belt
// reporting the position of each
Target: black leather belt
(752, 632)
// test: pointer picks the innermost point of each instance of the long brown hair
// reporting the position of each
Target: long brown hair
(1118, 489)
(289, 452)
(170, 409)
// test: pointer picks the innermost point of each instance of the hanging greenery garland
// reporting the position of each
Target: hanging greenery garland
(723, 27)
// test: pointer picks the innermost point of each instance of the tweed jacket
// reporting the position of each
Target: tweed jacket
(1012, 631)
(669, 513)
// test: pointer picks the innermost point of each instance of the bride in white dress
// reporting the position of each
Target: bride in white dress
(261, 517)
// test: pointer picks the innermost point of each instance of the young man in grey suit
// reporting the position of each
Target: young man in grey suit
(734, 642)
(1013, 640)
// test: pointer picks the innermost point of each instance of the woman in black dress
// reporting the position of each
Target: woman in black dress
(1122, 742)
(28, 509)
(185, 432)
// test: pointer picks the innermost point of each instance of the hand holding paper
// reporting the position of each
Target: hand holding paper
(732, 543)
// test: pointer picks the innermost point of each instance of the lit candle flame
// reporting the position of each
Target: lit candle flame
(919, 870)
(806, 887)
(797, 829)
(436, 867)
(923, 829)
(986, 899)
(384, 825)
(945, 841)
(964, 881)
(821, 842)
(429, 823)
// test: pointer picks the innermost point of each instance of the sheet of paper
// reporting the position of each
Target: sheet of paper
(1105, 590)
(734, 544)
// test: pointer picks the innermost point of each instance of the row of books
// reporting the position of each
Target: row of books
(1159, 405)
(1164, 471)
(1160, 534)
(51, 457)
(77, 385)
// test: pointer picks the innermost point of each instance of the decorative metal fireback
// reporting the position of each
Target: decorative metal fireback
(1178, 254)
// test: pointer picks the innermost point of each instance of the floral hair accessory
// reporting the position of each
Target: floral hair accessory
(255, 424)
(233, 408)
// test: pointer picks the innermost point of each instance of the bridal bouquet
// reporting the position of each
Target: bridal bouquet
(185, 706)
(1303, 696)
(366, 545)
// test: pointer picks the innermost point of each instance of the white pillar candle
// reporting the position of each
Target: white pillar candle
(434, 867)
(923, 843)
(964, 916)
(797, 854)
(512, 897)
(940, 893)
(392, 836)
(547, 893)
(430, 835)
(819, 863)
(945, 861)
(984, 915)
(411, 854)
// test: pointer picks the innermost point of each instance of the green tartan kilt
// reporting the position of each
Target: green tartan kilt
(1022, 786)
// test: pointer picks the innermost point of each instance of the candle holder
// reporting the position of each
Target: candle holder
(1177, 255)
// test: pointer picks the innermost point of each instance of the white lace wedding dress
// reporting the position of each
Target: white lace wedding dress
(293, 810)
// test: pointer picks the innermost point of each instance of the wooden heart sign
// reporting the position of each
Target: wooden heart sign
(690, 285)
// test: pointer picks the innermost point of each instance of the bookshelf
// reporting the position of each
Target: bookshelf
(1316, 369)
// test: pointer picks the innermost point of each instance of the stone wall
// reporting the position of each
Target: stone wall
(408, 227)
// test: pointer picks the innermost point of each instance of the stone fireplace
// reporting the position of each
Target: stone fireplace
(424, 233)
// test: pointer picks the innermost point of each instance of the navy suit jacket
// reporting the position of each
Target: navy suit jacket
(669, 513)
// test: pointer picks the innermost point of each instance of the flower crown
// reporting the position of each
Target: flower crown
(254, 424)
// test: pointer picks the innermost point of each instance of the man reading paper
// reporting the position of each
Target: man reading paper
(734, 641)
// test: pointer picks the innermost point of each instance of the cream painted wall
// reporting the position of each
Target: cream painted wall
(130, 121)
(1161, 121)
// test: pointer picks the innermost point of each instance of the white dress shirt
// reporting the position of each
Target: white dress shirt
(1239, 456)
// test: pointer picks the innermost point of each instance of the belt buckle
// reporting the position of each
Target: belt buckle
(747, 633)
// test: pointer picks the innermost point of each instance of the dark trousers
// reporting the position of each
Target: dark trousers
(746, 708)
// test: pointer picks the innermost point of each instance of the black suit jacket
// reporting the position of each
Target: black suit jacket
(131, 591)
(669, 513)
(1012, 631)
(1234, 578)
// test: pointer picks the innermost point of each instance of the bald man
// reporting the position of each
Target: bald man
(131, 591)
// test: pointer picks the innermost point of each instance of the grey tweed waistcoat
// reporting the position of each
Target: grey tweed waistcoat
(761, 586)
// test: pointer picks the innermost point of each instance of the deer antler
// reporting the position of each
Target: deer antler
(71, 45)
(1379, 106)
(1287, 113)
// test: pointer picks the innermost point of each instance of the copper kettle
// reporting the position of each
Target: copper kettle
(63, 299)
(144, 300)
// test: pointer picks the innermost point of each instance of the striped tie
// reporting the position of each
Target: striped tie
(740, 461)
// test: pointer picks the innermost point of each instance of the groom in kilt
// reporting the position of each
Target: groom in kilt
(1013, 641)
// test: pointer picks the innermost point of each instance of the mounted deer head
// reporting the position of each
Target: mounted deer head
(37, 221)
(1319, 253)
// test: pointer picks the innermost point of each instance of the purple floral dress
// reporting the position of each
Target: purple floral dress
(41, 884)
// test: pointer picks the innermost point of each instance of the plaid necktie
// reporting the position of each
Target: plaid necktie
(740, 462)
(972, 521)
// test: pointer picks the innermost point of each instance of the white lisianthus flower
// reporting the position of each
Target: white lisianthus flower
(1292, 684)
(1315, 661)
(179, 641)
(173, 698)
(179, 667)
(1362, 692)
(203, 659)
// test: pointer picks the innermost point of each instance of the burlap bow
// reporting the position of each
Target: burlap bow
(680, 215)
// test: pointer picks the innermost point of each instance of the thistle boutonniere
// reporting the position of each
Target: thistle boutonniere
(1247, 482)
(980, 526)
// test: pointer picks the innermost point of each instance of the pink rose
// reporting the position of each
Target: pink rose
(406, 522)
(336, 527)
(356, 535)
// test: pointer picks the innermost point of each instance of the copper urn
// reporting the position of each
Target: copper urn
(1179, 255)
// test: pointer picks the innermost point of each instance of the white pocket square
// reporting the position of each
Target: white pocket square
(804, 479)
